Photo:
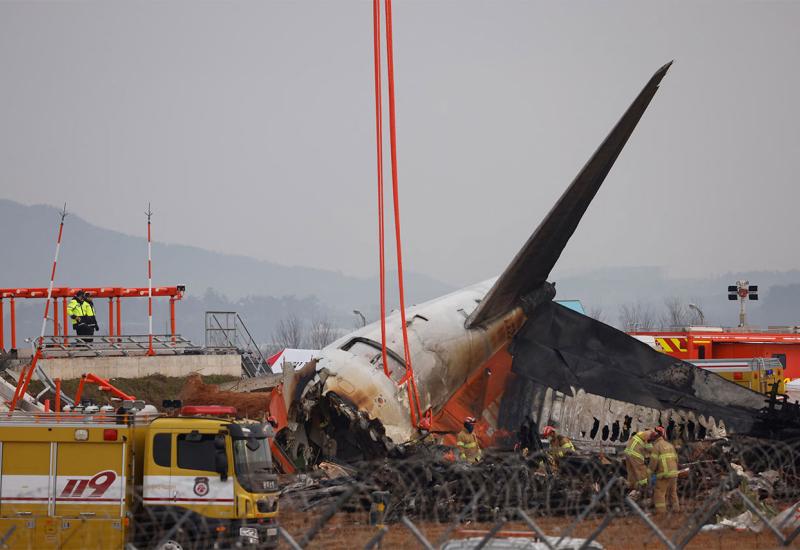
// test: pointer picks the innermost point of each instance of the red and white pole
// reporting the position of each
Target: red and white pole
(149, 285)
(25, 376)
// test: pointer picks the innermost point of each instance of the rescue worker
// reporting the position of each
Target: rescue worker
(426, 436)
(81, 311)
(560, 445)
(469, 449)
(528, 437)
(664, 467)
(636, 453)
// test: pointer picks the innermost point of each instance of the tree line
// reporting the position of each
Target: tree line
(674, 313)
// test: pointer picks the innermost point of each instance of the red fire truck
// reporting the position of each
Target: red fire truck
(727, 343)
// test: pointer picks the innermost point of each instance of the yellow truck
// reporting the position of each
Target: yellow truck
(103, 479)
(759, 374)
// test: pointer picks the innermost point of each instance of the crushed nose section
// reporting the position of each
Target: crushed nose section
(349, 411)
(332, 427)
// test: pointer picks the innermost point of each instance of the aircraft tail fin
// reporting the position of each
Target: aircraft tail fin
(533, 263)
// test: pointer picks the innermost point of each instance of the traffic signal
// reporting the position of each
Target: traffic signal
(743, 290)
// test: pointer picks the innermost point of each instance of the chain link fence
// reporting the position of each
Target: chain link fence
(734, 493)
(741, 493)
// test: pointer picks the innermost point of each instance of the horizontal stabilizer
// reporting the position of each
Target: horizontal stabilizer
(533, 263)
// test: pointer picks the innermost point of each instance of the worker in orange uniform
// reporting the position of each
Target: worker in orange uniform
(560, 445)
(469, 448)
(636, 453)
(664, 467)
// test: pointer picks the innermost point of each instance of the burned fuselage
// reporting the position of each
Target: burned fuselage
(351, 387)
(350, 408)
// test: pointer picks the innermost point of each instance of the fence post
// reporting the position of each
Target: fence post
(417, 533)
(653, 527)
(536, 529)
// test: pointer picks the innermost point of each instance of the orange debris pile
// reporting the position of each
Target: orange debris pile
(250, 405)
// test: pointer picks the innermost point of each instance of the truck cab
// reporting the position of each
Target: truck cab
(74, 480)
(210, 478)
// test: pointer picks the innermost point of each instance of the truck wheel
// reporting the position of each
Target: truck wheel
(180, 540)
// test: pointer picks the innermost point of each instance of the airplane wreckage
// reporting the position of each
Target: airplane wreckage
(503, 349)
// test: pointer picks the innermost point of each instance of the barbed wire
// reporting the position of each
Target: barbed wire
(739, 491)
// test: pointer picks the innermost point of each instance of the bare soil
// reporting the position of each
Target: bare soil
(153, 389)
(351, 531)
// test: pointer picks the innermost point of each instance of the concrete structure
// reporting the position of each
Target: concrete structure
(139, 366)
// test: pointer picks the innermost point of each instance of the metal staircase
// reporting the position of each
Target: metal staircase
(227, 330)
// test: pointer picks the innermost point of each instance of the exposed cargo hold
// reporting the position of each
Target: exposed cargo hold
(76, 480)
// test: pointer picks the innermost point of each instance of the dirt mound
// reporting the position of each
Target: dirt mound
(152, 389)
(251, 405)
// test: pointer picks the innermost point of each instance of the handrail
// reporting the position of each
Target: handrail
(131, 344)
(252, 341)
(253, 361)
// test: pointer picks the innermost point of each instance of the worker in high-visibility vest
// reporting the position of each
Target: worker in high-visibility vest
(664, 467)
(636, 453)
(81, 311)
(469, 448)
(560, 445)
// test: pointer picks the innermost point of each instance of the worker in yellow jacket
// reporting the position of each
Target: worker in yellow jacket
(664, 467)
(469, 448)
(560, 445)
(636, 453)
(81, 311)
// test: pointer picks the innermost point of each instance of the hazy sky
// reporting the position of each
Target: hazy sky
(250, 127)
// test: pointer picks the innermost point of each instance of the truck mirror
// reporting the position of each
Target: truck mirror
(221, 465)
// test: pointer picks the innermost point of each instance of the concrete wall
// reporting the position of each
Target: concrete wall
(143, 366)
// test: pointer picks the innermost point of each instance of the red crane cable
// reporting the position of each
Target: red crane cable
(395, 195)
(376, 33)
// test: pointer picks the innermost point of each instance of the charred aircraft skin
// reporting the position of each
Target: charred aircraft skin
(443, 355)
(351, 409)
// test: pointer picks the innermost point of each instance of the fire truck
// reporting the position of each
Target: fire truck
(755, 373)
(104, 479)
(755, 360)
(782, 343)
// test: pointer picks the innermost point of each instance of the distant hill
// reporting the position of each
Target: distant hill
(264, 293)
(93, 256)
